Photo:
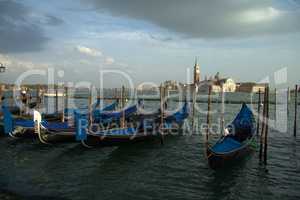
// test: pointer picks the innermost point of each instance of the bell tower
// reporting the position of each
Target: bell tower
(196, 72)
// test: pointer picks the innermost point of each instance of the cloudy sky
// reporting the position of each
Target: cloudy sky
(151, 41)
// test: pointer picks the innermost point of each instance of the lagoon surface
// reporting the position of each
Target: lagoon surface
(148, 170)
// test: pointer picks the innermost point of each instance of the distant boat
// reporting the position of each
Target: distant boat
(53, 94)
(237, 143)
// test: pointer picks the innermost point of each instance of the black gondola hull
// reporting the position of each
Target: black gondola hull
(216, 161)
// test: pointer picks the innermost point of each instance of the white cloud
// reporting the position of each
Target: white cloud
(16, 65)
(89, 51)
(260, 15)
(105, 59)
(126, 35)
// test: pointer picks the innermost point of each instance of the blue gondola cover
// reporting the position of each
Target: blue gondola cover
(226, 145)
(55, 125)
(244, 127)
(180, 115)
(8, 120)
(81, 124)
(97, 113)
(109, 116)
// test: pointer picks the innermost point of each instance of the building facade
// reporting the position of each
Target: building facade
(217, 84)
(171, 85)
(251, 87)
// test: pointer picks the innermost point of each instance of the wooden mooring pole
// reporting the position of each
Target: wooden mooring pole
(194, 106)
(22, 99)
(38, 98)
(117, 97)
(161, 105)
(162, 111)
(42, 97)
(208, 115)
(275, 106)
(65, 102)
(261, 146)
(27, 101)
(123, 106)
(296, 111)
(56, 99)
(266, 128)
(99, 102)
(222, 120)
(1, 94)
(288, 102)
(258, 112)
(90, 101)
(63, 105)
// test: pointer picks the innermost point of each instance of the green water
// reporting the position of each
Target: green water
(176, 170)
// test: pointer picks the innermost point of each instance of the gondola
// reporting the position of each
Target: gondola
(236, 143)
(14, 114)
(147, 127)
(25, 127)
(63, 132)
